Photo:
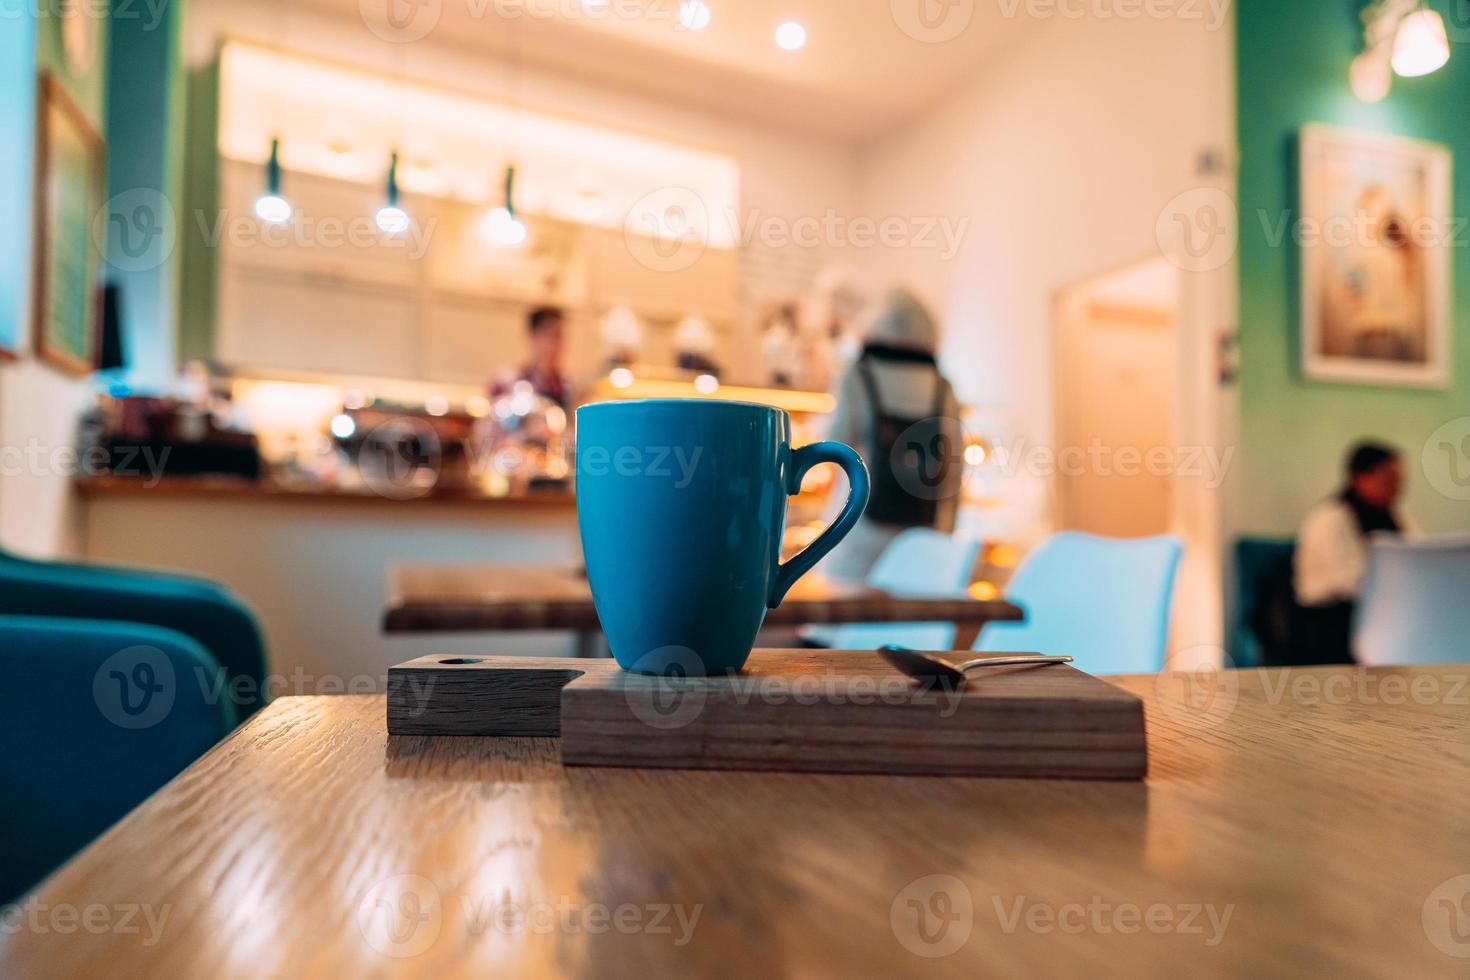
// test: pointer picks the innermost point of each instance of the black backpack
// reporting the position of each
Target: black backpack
(910, 461)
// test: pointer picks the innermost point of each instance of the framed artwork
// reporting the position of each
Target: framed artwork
(1374, 232)
(70, 174)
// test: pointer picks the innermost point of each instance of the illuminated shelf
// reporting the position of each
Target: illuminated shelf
(796, 402)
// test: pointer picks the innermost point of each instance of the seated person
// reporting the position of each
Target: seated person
(1332, 555)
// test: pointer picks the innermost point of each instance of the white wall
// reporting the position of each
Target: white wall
(1062, 153)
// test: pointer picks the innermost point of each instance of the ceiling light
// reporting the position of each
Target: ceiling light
(1421, 45)
(694, 15)
(791, 36)
(391, 219)
(271, 207)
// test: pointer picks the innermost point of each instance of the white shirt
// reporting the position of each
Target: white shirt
(1331, 555)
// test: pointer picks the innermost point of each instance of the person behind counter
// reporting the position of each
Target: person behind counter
(546, 326)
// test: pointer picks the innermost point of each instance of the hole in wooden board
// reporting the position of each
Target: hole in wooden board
(462, 661)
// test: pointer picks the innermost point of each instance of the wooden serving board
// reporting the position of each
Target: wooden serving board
(802, 710)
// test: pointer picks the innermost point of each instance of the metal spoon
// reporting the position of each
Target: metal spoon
(923, 667)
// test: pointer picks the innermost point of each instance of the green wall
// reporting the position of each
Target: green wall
(1292, 59)
(145, 137)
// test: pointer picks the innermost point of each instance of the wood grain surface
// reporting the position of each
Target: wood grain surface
(791, 710)
(460, 598)
(1294, 823)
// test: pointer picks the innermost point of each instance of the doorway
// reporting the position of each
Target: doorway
(1116, 369)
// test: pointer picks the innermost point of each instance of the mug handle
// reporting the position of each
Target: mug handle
(802, 460)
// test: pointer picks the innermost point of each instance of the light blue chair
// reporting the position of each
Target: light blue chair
(94, 717)
(1104, 601)
(1415, 603)
(918, 563)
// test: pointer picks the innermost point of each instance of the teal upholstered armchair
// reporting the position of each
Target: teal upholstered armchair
(206, 612)
(94, 716)
(115, 681)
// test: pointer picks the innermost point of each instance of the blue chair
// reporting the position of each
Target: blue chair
(1414, 607)
(918, 563)
(1104, 601)
(208, 613)
(1261, 635)
(94, 717)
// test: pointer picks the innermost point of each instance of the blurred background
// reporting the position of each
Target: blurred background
(294, 290)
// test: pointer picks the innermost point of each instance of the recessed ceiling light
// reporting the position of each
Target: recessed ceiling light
(791, 36)
(694, 15)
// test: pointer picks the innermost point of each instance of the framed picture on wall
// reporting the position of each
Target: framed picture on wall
(70, 174)
(1374, 233)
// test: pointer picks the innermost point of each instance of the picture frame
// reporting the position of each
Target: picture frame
(1373, 233)
(70, 175)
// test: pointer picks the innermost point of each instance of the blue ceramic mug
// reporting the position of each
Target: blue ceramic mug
(682, 504)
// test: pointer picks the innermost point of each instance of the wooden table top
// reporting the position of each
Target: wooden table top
(459, 598)
(1310, 822)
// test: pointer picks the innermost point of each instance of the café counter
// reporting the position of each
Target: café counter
(313, 562)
